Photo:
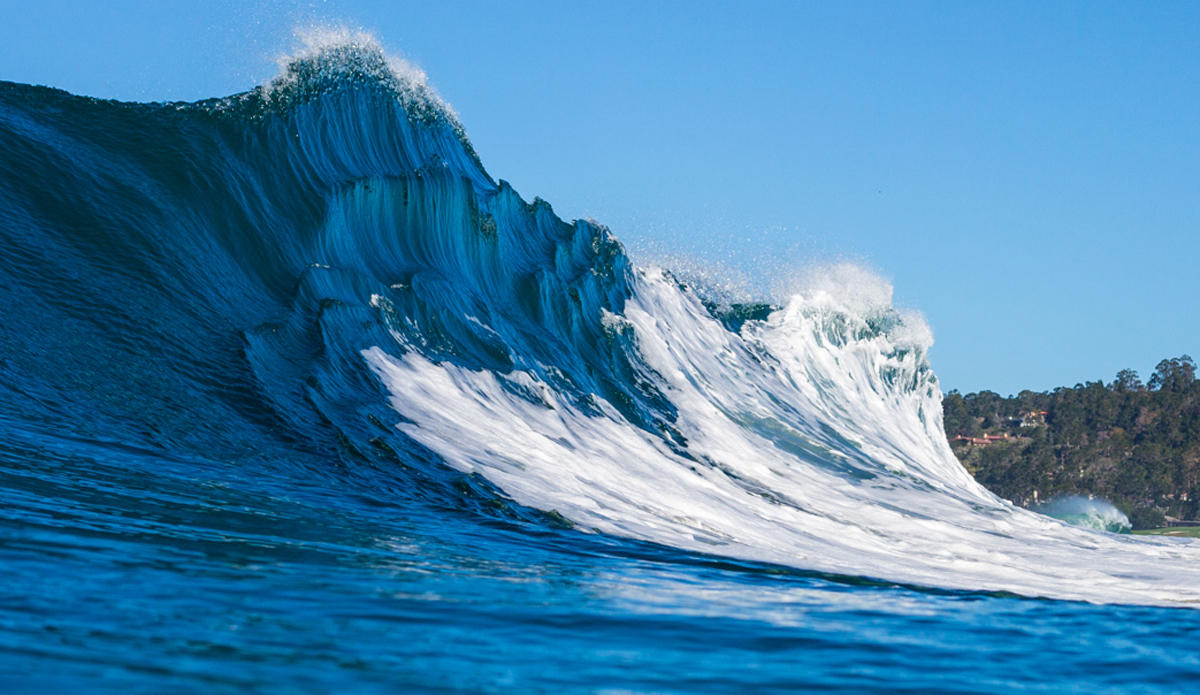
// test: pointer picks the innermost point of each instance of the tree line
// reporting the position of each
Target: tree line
(1135, 444)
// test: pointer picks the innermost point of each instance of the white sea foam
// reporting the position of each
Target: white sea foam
(814, 439)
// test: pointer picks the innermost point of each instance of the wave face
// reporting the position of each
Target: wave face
(324, 263)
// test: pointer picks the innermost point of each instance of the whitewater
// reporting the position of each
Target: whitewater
(287, 376)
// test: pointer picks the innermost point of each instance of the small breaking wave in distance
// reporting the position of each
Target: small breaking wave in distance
(1088, 512)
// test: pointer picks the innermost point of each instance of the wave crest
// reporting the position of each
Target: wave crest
(333, 58)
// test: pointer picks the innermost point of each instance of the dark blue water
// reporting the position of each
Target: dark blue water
(199, 490)
(129, 571)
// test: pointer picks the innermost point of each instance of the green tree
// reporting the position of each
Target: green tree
(1174, 375)
(1127, 380)
(956, 417)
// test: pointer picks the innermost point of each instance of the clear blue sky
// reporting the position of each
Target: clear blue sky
(1026, 174)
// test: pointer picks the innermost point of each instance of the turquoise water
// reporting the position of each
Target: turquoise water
(296, 398)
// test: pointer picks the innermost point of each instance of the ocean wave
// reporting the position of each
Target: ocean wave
(325, 259)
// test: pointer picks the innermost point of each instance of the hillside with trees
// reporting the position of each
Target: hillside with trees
(1136, 445)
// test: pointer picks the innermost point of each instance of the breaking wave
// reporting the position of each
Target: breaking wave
(1087, 512)
(325, 261)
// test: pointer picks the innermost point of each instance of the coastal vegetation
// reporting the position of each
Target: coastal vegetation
(1135, 444)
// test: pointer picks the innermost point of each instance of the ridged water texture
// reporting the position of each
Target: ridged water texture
(294, 397)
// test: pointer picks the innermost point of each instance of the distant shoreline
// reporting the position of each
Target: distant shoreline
(1135, 445)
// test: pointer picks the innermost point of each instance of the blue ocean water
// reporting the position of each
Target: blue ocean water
(296, 398)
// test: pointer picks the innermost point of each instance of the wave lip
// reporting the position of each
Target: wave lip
(342, 109)
(333, 58)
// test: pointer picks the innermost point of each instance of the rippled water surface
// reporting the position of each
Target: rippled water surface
(126, 571)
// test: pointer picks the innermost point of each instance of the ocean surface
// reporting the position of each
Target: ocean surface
(295, 397)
